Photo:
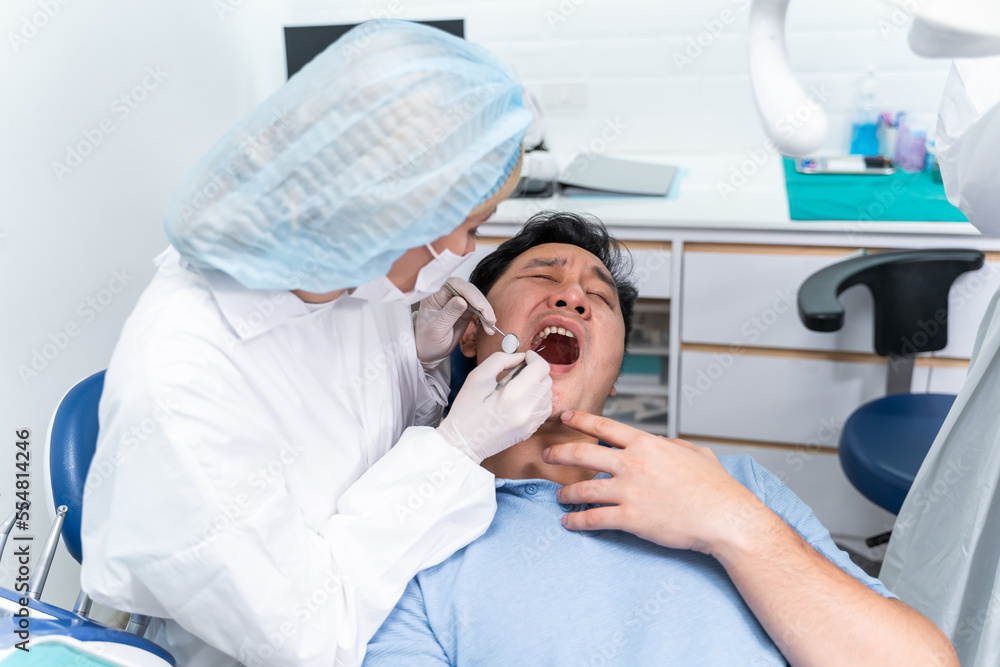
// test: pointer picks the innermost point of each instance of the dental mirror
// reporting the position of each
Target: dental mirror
(510, 343)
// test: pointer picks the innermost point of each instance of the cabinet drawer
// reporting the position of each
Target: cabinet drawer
(967, 302)
(651, 270)
(748, 299)
(775, 399)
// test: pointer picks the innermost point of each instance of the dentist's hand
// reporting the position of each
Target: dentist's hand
(481, 424)
(442, 320)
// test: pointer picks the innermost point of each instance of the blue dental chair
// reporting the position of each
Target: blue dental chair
(59, 636)
(884, 442)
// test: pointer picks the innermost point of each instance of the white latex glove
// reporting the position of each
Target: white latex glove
(442, 319)
(481, 426)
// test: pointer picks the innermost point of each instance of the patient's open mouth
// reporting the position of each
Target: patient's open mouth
(556, 345)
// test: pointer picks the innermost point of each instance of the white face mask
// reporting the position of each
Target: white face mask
(433, 274)
(430, 279)
(967, 140)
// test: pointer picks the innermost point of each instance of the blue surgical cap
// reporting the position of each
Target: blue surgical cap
(384, 142)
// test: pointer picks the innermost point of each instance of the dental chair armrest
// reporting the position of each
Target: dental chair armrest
(909, 288)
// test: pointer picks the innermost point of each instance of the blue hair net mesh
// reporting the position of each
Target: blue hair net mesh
(384, 142)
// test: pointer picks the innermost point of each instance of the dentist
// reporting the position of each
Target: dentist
(268, 477)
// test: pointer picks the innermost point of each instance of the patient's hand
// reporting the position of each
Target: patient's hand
(670, 492)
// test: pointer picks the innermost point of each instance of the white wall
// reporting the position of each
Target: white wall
(632, 59)
(63, 239)
(64, 234)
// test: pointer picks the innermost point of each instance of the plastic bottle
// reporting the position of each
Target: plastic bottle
(911, 146)
(864, 130)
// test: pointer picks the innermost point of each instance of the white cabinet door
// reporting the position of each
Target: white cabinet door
(652, 272)
(774, 399)
(970, 295)
(748, 299)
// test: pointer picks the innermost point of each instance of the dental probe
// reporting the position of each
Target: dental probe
(507, 378)
(510, 342)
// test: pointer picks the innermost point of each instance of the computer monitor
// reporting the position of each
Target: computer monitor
(303, 43)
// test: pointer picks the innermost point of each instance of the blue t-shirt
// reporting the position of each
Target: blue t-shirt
(530, 592)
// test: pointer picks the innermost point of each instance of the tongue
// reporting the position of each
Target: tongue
(558, 349)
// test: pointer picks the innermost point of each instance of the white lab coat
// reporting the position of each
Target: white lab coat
(257, 481)
(944, 556)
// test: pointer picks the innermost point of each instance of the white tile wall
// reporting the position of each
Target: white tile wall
(624, 51)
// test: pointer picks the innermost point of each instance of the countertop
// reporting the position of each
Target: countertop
(716, 192)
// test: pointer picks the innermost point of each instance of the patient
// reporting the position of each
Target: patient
(665, 554)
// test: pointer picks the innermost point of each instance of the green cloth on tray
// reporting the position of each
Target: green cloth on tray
(900, 196)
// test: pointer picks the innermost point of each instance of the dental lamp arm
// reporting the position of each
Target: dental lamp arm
(792, 118)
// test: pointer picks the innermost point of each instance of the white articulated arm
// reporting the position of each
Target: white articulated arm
(794, 119)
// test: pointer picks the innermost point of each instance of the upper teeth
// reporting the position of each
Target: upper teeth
(551, 330)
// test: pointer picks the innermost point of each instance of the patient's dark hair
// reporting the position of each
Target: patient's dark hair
(571, 229)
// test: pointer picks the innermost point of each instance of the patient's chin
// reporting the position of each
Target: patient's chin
(561, 403)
